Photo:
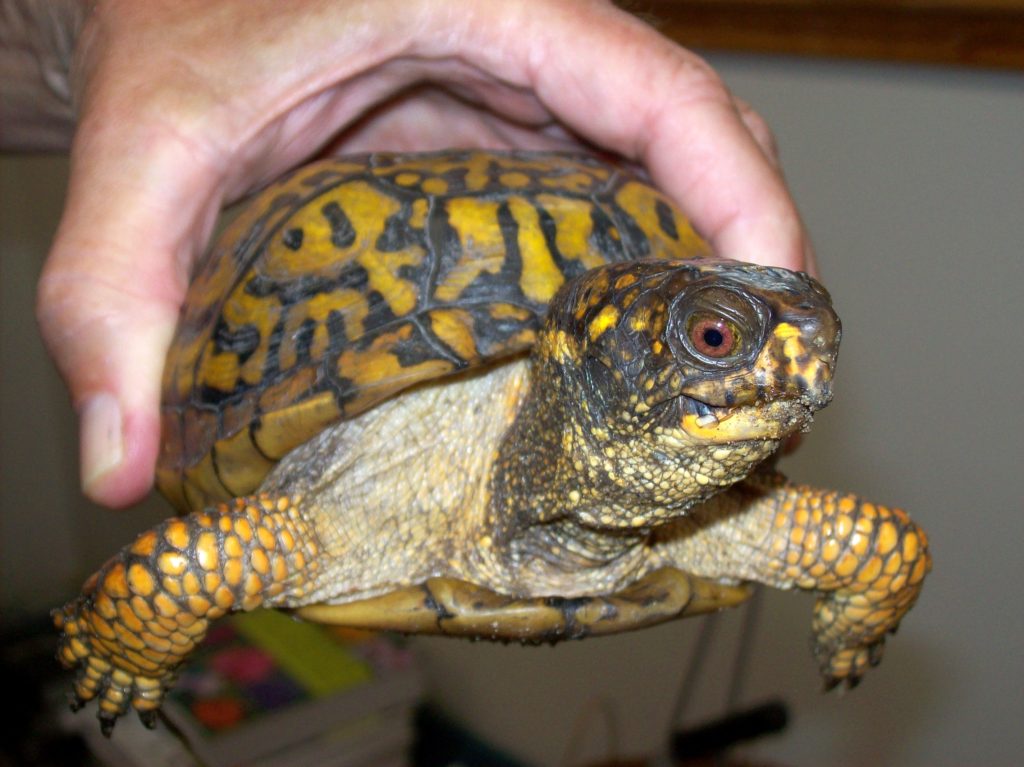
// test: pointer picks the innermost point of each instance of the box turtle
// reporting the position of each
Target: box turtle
(494, 395)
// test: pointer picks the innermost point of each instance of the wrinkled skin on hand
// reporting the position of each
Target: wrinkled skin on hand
(186, 106)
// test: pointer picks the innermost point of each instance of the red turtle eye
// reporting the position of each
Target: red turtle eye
(712, 337)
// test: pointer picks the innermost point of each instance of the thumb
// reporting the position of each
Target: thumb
(109, 297)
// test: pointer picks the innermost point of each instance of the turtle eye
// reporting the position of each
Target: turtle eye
(716, 326)
(713, 336)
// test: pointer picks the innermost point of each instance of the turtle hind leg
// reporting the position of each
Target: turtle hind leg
(149, 606)
(454, 607)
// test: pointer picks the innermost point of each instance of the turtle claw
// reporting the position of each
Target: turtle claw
(148, 719)
(108, 677)
(75, 703)
(845, 667)
(107, 725)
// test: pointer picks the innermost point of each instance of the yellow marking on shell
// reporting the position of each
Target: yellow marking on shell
(482, 243)
(455, 328)
(215, 280)
(513, 179)
(572, 182)
(540, 277)
(509, 312)
(476, 166)
(640, 201)
(202, 485)
(377, 372)
(280, 431)
(383, 269)
(240, 465)
(418, 213)
(407, 179)
(242, 309)
(220, 370)
(573, 228)
(350, 305)
(607, 318)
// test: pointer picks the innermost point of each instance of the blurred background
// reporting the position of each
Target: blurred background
(911, 181)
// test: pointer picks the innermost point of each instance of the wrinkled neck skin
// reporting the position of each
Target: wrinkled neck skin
(580, 483)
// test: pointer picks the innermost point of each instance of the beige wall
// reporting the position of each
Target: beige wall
(912, 182)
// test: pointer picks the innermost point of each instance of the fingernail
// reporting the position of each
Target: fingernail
(101, 439)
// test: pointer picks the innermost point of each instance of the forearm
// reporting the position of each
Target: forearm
(37, 41)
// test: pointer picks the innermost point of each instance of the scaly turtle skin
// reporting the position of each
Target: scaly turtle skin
(503, 396)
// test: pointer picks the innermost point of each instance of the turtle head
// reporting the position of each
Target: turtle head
(679, 377)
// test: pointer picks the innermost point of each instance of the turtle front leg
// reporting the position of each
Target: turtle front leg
(866, 562)
(149, 606)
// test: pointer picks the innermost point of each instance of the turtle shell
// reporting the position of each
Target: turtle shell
(358, 277)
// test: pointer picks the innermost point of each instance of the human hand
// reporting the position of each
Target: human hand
(186, 105)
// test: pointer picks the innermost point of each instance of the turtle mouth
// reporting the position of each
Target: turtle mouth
(773, 420)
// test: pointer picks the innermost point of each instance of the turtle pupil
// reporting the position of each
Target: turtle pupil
(713, 337)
